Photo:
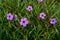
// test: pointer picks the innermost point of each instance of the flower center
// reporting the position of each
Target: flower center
(42, 15)
(23, 21)
(9, 16)
(30, 8)
(53, 21)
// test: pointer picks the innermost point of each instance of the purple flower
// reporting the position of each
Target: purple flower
(39, 0)
(42, 15)
(29, 8)
(24, 22)
(9, 16)
(53, 21)
(15, 17)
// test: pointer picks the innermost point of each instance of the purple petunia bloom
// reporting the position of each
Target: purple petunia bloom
(9, 16)
(39, 0)
(15, 17)
(29, 8)
(53, 21)
(42, 15)
(24, 22)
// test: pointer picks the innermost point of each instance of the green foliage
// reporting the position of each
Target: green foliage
(37, 29)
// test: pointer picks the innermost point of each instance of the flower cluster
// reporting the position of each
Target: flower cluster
(53, 21)
(42, 15)
(29, 8)
(39, 0)
(24, 21)
(10, 16)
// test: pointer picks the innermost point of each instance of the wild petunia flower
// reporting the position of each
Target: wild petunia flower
(39, 0)
(42, 15)
(24, 22)
(9, 16)
(15, 17)
(29, 8)
(53, 21)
